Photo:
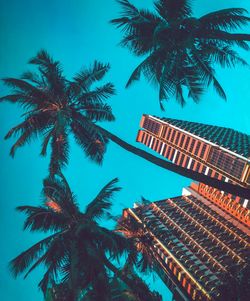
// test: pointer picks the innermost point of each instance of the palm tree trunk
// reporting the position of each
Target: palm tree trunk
(223, 186)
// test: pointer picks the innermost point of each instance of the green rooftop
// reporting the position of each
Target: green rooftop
(233, 140)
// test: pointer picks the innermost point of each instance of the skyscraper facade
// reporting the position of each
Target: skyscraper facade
(194, 244)
(218, 152)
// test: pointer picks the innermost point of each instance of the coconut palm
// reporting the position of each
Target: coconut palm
(79, 253)
(181, 49)
(56, 108)
(73, 251)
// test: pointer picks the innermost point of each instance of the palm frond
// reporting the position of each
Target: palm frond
(19, 264)
(57, 190)
(223, 55)
(98, 94)
(51, 71)
(24, 138)
(85, 78)
(128, 9)
(179, 95)
(102, 201)
(172, 10)
(42, 219)
(98, 112)
(138, 27)
(193, 83)
(90, 139)
(32, 77)
(207, 74)
(25, 93)
(225, 19)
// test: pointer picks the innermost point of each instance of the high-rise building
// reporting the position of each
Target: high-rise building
(218, 152)
(194, 244)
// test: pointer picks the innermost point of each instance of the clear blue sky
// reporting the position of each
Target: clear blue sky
(76, 32)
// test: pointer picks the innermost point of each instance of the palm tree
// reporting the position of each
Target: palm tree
(78, 254)
(180, 49)
(73, 251)
(56, 108)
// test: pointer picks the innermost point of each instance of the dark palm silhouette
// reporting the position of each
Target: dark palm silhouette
(56, 108)
(180, 49)
(79, 253)
(74, 250)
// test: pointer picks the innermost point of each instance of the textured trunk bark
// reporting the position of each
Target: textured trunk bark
(224, 186)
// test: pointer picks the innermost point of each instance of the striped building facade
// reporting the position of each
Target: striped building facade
(194, 243)
(218, 152)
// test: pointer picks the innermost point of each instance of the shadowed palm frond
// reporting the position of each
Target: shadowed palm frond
(173, 10)
(85, 78)
(173, 33)
(19, 264)
(102, 201)
(225, 19)
(43, 219)
(59, 198)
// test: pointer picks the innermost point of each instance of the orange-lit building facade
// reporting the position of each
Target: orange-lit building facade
(215, 151)
(194, 243)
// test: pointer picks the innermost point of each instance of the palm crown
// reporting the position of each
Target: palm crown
(180, 49)
(56, 107)
(74, 253)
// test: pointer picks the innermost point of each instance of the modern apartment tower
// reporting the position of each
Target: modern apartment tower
(216, 151)
(194, 243)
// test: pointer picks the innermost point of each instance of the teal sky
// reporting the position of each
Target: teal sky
(76, 32)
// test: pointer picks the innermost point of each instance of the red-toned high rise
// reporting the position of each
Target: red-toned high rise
(215, 151)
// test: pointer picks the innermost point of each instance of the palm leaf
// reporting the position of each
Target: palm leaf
(102, 201)
(58, 191)
(226, 19)
(172, 10)
(19, 264)
(87, 77)
(90, 139)
(42, 219)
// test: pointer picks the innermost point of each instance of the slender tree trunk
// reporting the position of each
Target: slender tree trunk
(224, 186)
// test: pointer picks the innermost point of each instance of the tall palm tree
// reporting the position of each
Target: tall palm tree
(56, 107)
(181, 49)
(79, 253)
(72, 252)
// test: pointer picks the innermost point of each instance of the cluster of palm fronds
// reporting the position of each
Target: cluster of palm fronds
(180, 49)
